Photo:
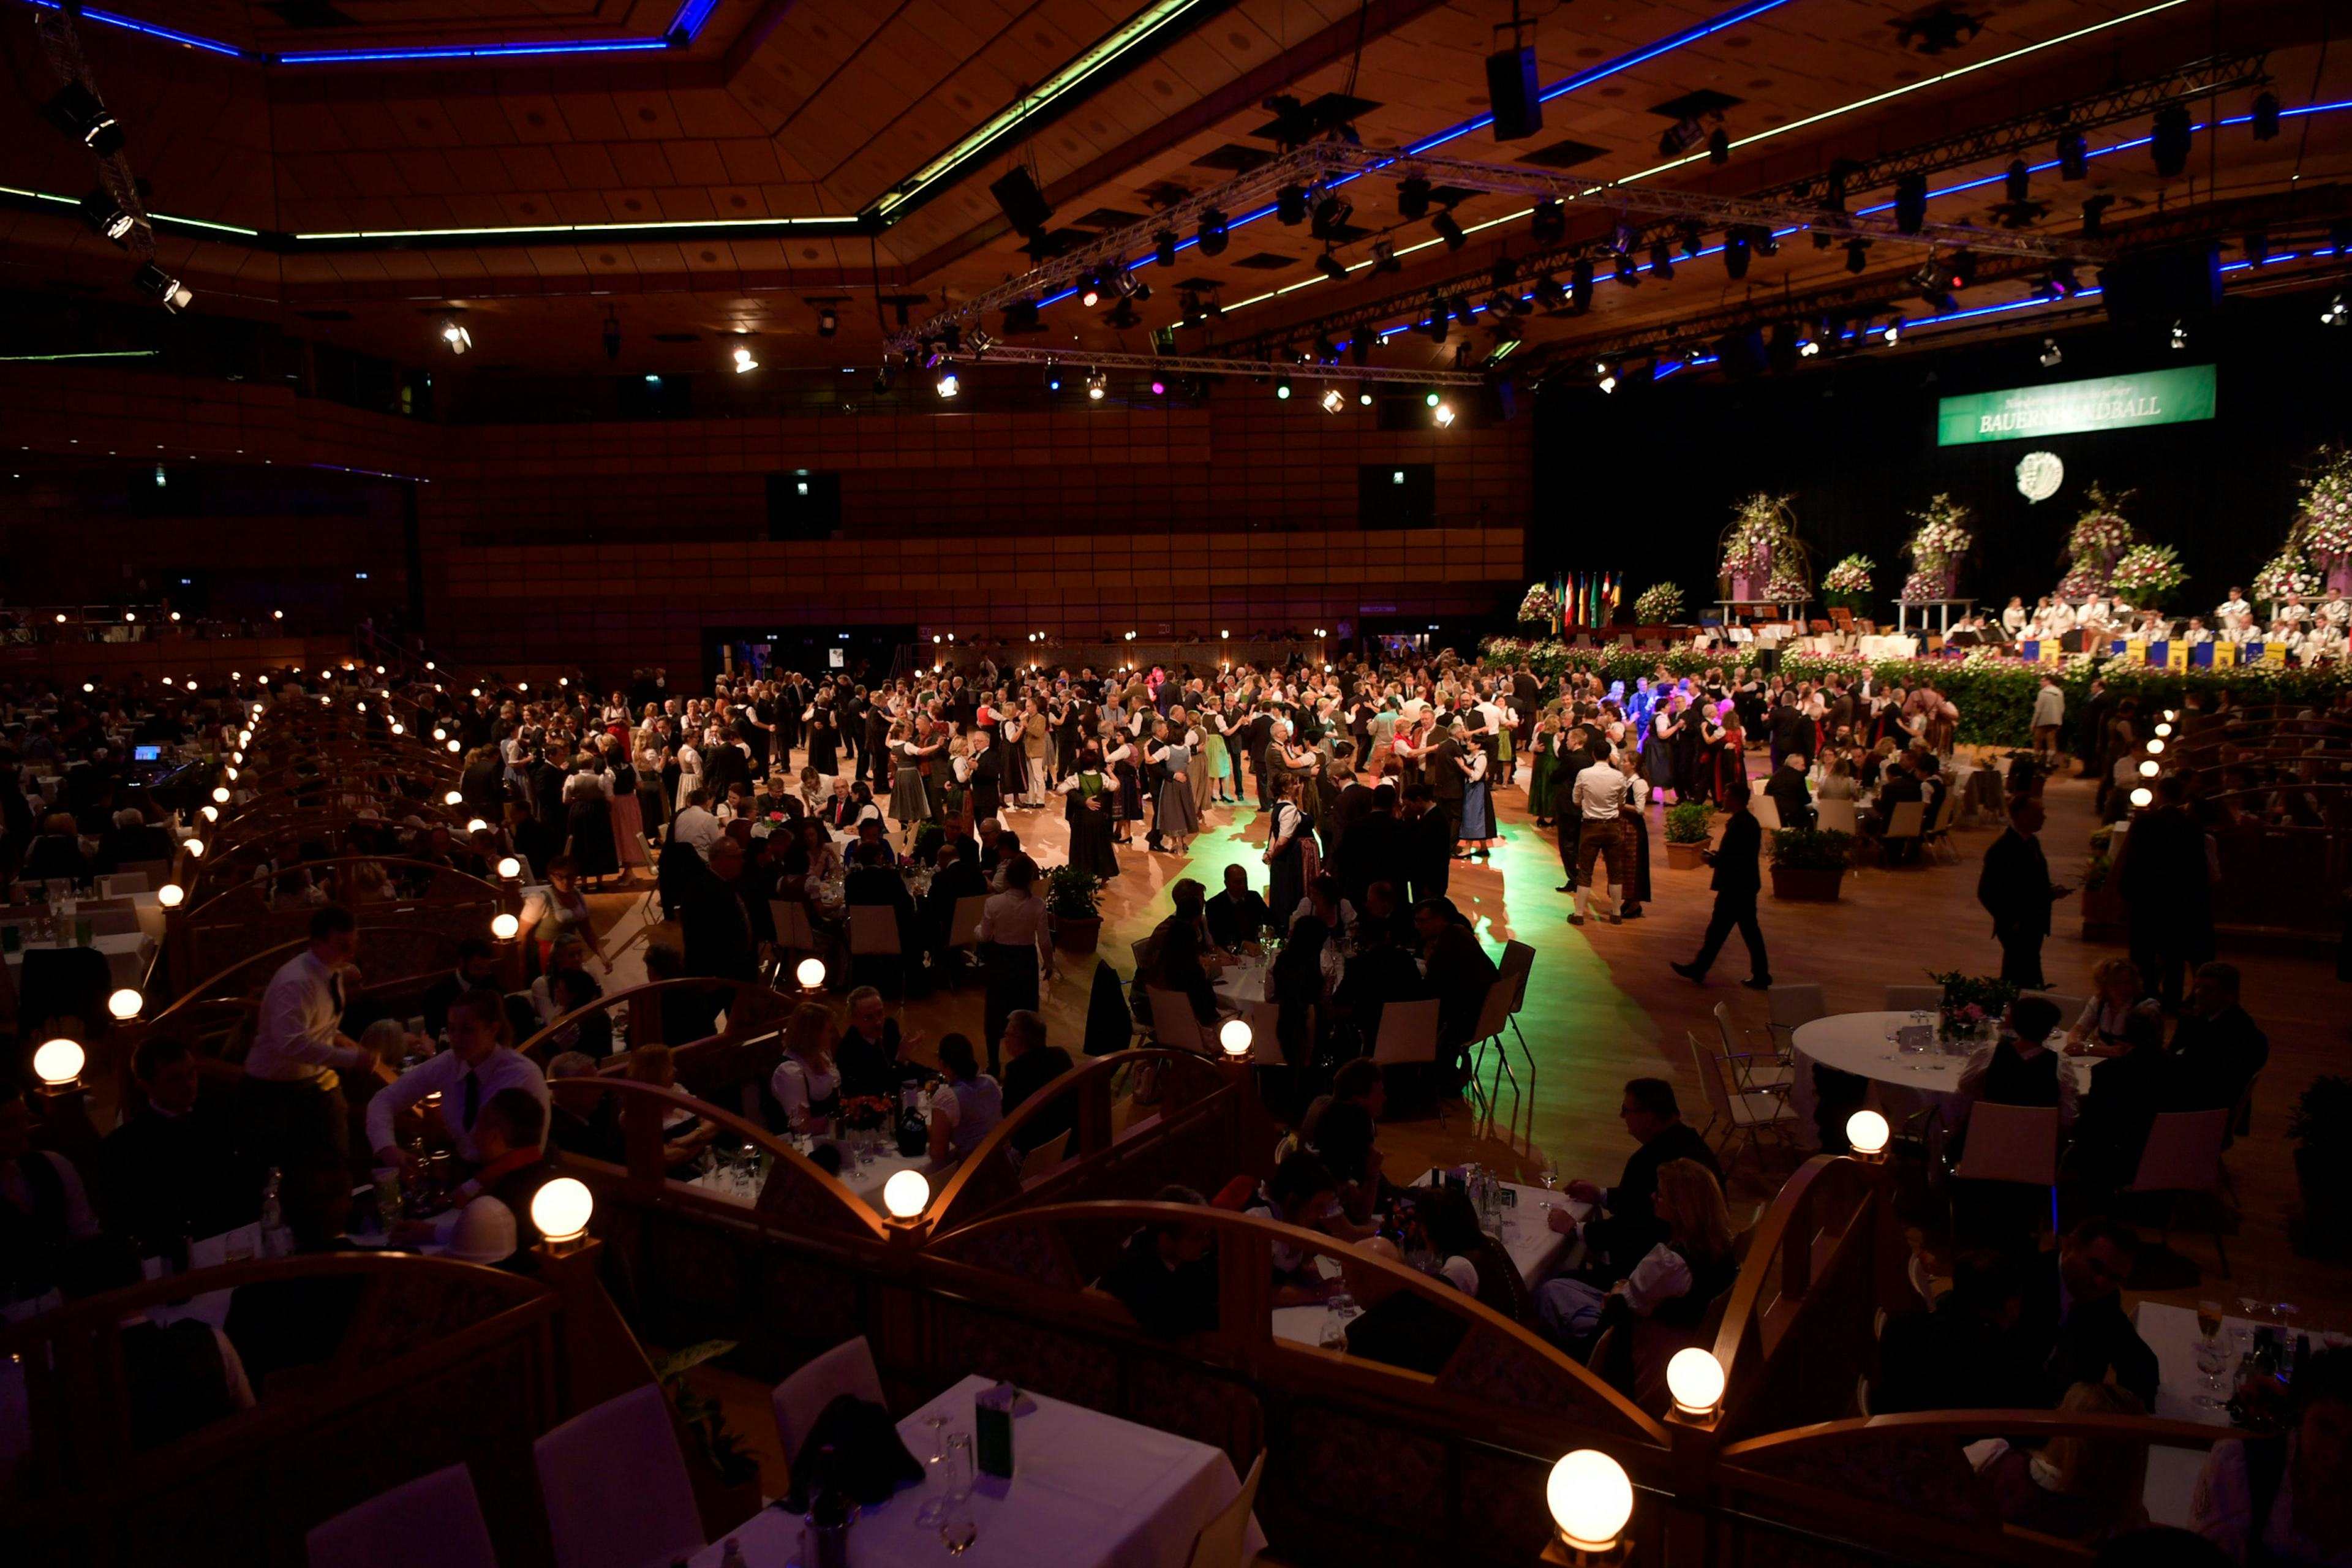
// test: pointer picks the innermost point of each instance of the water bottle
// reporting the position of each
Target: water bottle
(824, 1535)
(733, 1557)
(274, 1237)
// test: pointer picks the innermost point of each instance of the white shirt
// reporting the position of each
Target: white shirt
(300, 1014)
(2049, 707)
(1016, 919)
(1601, 792)
(1661, 1277)
(2231, 607)
(796, 1087)
(970, 1109)
(446, 1076)
(698, 828)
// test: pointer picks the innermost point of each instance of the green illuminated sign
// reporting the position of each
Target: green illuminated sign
(2110, 403)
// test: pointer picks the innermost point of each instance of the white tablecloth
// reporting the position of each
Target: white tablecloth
(1088, 1490)
(150, 910)
(1890, 648)
(866, 1182)
(1901, 1084)
(126, 955)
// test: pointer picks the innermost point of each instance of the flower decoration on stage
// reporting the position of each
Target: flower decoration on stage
(2099, 540)
(1943, 537)
(1756, 536)
(1539, 605)
(1661, 605)
(1850, 575)
(2147, 573)
(2287, 573)
(2325, 526)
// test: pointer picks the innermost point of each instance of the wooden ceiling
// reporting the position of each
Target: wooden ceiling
(817, 109)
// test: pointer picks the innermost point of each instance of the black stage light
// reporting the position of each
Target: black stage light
(104, 217)
(2266, 117)
(1331, 266)
(1548, 221)
(1735, 255)
(1626, 275)
(2073, 156)
(1448, 230)
(2095, 210)
(163, 287)
(1857, 254)
(953, 337)
(1579, 283)
(1163, 248)
(1961, 269)
(76, 111)
(1911, 202)
(1460, 305)
(1550, 293)
(1021, 316)
(1211, 236)
(1693, 240)
(1413, 196)
(1330, 217)
(1718, 146)
(2168, 139)
(2019, 181)
(1290, 205)
(1384, 258)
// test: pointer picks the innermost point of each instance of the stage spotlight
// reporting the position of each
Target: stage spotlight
(104, 217)
(1550, 293)
(1331, 266)
(76, 111)
(2335, 315)
(1857, 254)
(1334, 400)
(949, 383)
(1608, 382)
(744, 362)
(1448, 230)
(1460, 305)
(1693, 240)
(1281, 388)
(1432, 399)
(1211, 236)
(1579, 283)
(1435, 325)
(1163, 248)
(1807, 347)
(454, 336)
(1626, 275)
(1961, 269)
(1735, 255)
(1911, 202)
(1548, 221)
(2180, 335)
(2017, 183)
(2073, 156)
(1091, 293)
(2168, 139)
(1444, 415)
(1718, 146)
(2266, 117)
(163, 287)
(1098, 384)
(1053, 377)
(1331, 214)
(1661, 260)
(2051, 355)
(1363, 400)
(1384, 258)
(1894, 333)
(1290, 205)
(1413, 196)
(2095, 210)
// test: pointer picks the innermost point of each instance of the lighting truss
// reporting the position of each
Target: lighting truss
(62, 45)
(1212, 365)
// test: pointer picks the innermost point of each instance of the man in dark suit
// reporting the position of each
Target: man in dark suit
(131, 840)
(1375, 848)
(724, 766)
(1030, 1066)
(1255, 736)
(1574, 758)
(2015, 889)
(1788, 789)
(1429, 844)
(477, 971)
(1628, 1226)
(987, 776)
(174, 1172)
(1441, 771)
(2072, 1326)
(1737, 880)
(2217, 1048)
(718, 928)
(547, 793)
(1962, 1356)
(1790, 731)
(1237, 916)
(2166, 890)
(957, 877)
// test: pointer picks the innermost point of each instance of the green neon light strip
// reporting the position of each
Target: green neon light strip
(95, 354)
(1152, 17)
(159, 217)
(556, 228)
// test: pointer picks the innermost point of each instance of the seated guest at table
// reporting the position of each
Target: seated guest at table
(55, 854)
(874, 882)
(1963, 1355)
(1301, 1192)
(868, 1053)
(43, 1208)
(130, 840)
(1459, 975)
(1627, 1227)
(2128, 1092)
(955, 879)
(716, 925)
(474, 1067)
(806, 1084)
(1031, 1066)
(2217, 1047)
(2287, 1500)
(179, 1376)
(1451, 1224)
(477, 971)
(1178, 965)
(1384, 922)
(684, 1135)
(575, 1125)
(1167, 1272)
(967, 1106)
(2072, 1326)
(1788, 789)
(570, 991)
(686, 1014)
(282, 1324)
(509, 1134)
(172, 1173)
(1358, 1081)
(2105, 1027)
(1674, 1282)
(1837, 779)
(2020, 1067)
(2077, 1489)
(569, 952)
(1323, 903)
(1349, 1145)
(1237, 915)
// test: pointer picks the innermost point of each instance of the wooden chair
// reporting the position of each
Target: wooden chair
(1046, 1155)
(434, 1518)
(1836, 815)
(1755, 1072)
(964, 926)
(1408, 1037)
(616, 1486)
(1223, 1542)
(794, 932)
(1265, 1036)
(1767, 810)
(847, 1368)
(1914, 998)
(2183, 1154)
(874, 934)
(1905, 823)
(1749, 1113)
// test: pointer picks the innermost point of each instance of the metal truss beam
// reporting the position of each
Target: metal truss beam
(1211, 365)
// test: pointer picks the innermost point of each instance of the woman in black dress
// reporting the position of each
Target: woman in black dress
(1694, 770)
(1088, 799)
(588, 827)
(1286, 851)
(824, 738)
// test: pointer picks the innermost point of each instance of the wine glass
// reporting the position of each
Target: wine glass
(958, 1530)
(960, 1473)
(935, 1476)
(1549, 1176)
(2210, 1360)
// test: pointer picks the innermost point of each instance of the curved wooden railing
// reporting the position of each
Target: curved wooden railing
(239, 921)
(716, 1066)
(1209, 1121)
(233, 856)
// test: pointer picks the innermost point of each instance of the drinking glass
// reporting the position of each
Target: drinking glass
(935, 1476)
(958, 1530)
(960, 1472)
(1549, 1176)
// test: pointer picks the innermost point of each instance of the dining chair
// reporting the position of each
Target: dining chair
(847, 1368)
(1905, 823)
(1938, 839)
(1046, 1155)
(1914, 998)
(155, 872)
(1266, 1034)
(964, 926)
(2011, 1143)
(616, 1486)
(1518, 963)
(1755, 1072)
(1223, 1542)
(1408, 1037)
(2183, 1154)
(1793, 1005)
(1837, 816)
(1493, 1017)
(434, 1518)
(1767, 810)
(874, 934)
(794, 932)
(121, 884)
(1748, 1113)
(1173, 1023)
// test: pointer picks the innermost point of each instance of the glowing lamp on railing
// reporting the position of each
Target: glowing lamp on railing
(2143, 797)
(453, 798)
(398, 728)
(238, 757)
(1866, 1133)
(220, 794)
(2148, 768)
(2164, 728)
(475, 825)
(211, 813)
(1236, 1034)
(505, 927)
(455, 747)
(810, 974)
(1591, 1500)
(562, 1209)
(170, 895)
(2156, 748)
(195, 848)
(231, 773)
(906, 1194)
(59, 1063)
(439, 733)
(125, 1003)
(1695, 1380)
(509, 868)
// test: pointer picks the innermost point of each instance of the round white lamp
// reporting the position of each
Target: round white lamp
(2149, 768)
(125, 1003)
(2164, 728)
(170, 895)
(1235, 1034)
(1866, 1133)
(1590, 1500)
(439, 733)
(810, 972)
(509, 868)
(195, 847)
(59, 1063)
(2143, 795)
(561, 1209)
(475, 825)
(236, 757)
(398, 728)
(220, 794)
(1695, 1380)
(504, 926)
(231, 773)
(453, 798)
(456, 747)
(2156, 748)
(905, 1195)
(211, 813)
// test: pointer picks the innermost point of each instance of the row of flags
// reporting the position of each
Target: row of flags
(1586, 599)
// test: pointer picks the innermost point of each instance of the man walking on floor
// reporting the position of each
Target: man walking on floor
(1737, 880)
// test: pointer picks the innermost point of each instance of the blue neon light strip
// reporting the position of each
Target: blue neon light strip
(681, 32)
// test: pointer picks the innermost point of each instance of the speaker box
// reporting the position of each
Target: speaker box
(1025, 207)
(1511, 88)
(2163, 284)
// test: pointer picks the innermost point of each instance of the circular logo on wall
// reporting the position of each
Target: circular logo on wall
(2039, 475)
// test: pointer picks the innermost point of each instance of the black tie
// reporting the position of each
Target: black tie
(473, 1099)
(335, 991)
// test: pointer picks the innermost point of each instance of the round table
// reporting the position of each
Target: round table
(1902, 1083)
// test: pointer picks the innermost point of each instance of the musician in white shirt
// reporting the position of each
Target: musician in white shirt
(2197, 631)
(2061, 619)
(2335, 610)
(2013, 618)
(2224, 613)
(2294, 609)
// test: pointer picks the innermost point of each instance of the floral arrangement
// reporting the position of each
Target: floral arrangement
(1943, 537)
(1850, 575)
(1754, 539)
(1661, 605)
(865, 1112)
(2326, 525)
(1969, 1000)
(2099, 864)
(2287, 573)
(2101, 536)
(1541, 605)
(2147, 573)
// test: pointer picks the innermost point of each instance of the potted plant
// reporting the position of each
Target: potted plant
(725, 1473)
(1809, 862)
(1689, 827)
(2321, 1127)
(1074, 908)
